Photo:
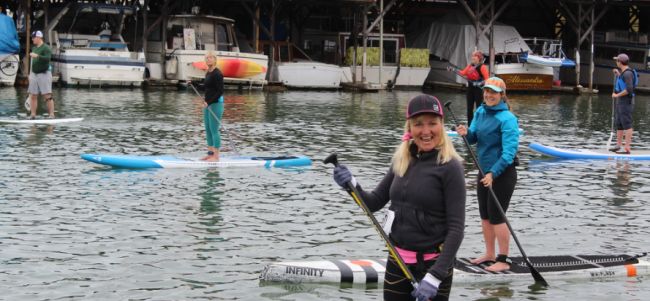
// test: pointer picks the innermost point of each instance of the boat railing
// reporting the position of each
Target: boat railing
(546, 47)
(74, 40)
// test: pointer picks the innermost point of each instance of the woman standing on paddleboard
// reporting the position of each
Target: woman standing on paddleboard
(495, 130)
(476, 72)
(426, 188)
(212, 106)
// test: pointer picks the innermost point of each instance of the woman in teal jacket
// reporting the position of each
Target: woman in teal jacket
(495, 131)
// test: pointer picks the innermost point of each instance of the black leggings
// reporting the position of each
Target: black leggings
(503, 187)
(474, 100)
(398, 288)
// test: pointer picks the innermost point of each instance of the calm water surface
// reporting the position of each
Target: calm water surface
(73, 230)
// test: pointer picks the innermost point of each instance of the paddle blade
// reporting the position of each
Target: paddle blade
(332, 159)
(539, 280)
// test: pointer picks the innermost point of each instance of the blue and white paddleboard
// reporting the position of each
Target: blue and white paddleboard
(41, 121)
(129, 161)
(597, 154)
(451, 133)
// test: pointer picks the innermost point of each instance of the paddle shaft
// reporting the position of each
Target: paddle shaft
(230, 140)
(359, 200)
(536, 275)
(611, 133)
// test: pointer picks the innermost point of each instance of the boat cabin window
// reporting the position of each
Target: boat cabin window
(392, 45)
(89, 29)
(207, 34)
(223, 41)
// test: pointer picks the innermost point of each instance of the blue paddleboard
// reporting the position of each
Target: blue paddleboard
(168, 161)
(596, 154)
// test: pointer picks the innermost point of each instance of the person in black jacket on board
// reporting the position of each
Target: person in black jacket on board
(426, 189)
(213, 106)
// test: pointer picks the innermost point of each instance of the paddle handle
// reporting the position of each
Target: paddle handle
(536, 275)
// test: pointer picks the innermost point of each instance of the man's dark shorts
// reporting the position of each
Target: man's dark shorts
(624, 108)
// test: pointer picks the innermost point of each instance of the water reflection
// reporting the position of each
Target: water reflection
(37, 134)
(620, 184)
(210, 192)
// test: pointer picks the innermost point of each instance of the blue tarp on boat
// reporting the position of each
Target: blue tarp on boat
(8, 35)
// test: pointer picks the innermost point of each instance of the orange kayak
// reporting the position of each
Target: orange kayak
(237, 68)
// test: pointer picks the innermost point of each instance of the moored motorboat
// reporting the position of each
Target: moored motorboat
(82, 56)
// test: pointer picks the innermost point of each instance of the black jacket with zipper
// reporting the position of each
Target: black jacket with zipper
(429, 206)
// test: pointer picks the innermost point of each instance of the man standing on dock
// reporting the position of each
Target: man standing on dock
(623, 94)
(40, 77)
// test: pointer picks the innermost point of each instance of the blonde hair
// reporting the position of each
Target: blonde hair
(402, 155)
(210, 53)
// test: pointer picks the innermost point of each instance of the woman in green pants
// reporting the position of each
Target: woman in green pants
(213, 106)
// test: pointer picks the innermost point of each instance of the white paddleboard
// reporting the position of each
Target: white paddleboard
(40, 121)
(588, 267)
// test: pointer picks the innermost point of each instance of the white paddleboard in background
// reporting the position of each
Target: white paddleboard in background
(40, 121)
(585, 154)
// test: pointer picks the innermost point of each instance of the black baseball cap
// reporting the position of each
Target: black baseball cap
(424, 104)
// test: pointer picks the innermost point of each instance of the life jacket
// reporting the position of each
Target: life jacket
(620, 81)
(474, 74)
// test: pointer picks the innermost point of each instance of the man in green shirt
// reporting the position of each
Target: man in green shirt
(40, 77)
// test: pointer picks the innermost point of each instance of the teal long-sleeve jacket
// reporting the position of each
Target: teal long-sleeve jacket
(495, 131)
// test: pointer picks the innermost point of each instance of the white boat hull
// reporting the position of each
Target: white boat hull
(544, 61)
(89, 67)
(524, 76)
(8, 69)
(408, 76)
(310, 75)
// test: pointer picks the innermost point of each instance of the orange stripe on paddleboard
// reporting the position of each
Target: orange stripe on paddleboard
(363, 263)
(631, 270)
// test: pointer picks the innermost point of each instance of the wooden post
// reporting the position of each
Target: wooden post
(491, 51)
(46, 8)
(591, 50)
(163, 28)
(256, 30)
(353, 38)
(578, 44)
(381, 40)
(145, 22)
(28, 35)
(365, 44)
(477, 24)
(272, 70)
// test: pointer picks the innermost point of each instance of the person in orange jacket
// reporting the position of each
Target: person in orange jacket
(476, 73)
